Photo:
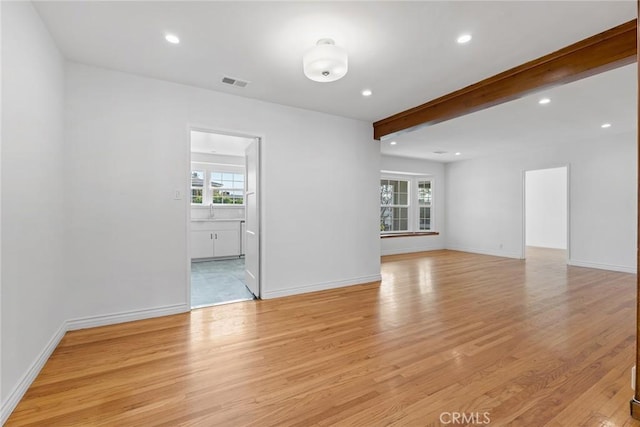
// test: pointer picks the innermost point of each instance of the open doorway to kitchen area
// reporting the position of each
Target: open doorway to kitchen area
(223, 231)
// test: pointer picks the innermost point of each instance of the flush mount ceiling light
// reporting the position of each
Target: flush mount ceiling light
(325, 62)
(605, 125)
(172, 38)
(464, 38)
(544, 101)
(393, 143)
(367, 92)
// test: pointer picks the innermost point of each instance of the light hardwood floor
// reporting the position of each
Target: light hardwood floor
(531, 343)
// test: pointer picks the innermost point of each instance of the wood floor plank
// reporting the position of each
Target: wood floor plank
(531, 343)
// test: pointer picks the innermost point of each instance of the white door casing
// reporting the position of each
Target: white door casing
(252, 219)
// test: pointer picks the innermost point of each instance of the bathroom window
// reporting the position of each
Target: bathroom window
(197, 187)
(220, 185)
(227, 188)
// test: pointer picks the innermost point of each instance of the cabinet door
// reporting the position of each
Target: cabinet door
(226, 243)
(201, 244)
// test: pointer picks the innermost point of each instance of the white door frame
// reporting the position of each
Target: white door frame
(524, 207)
(187, 198)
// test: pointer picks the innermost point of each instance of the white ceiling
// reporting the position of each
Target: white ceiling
(214, 143)
(575, 113)
(404, 51)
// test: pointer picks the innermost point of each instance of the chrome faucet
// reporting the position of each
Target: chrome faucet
(211, 214)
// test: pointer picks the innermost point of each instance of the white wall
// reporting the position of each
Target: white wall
(129, 245)
(34, 293)
(400, 245)
(546, 208)
(484, 201)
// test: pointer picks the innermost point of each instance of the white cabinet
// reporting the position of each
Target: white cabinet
(226, 243)
(211, 239)
(201, 244)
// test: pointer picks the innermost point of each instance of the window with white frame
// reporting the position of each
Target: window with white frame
(218, 185)
(227, 188)
(394, 205)
(197, 187)
(406, 204)
(424, 205)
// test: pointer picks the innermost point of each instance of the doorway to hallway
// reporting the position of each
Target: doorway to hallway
(546, 219)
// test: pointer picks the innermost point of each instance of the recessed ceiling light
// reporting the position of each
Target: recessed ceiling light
(393, 143)
(464, 38)
(605, 125)
(367, 92)
(544, 101)
(172, 38)
(458, 153)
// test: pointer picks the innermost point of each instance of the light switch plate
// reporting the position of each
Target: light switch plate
(177, 195)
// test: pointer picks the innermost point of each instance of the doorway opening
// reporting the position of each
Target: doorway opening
(223, 218)
(546, 213)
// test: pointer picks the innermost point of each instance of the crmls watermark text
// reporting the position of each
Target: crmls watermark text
(473, 418)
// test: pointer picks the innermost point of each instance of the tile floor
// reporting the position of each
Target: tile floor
(218, 282)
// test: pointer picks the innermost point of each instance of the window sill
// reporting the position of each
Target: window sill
(409, 234)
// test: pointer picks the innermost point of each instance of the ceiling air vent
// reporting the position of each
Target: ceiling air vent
(234, 82)
(439, 152)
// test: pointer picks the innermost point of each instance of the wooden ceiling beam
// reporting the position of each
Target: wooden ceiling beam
(605, 51)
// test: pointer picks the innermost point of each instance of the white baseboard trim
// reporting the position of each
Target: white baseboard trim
(498, 253)
(399, 251)
(321, 286)
(611, 267)
(23, 385)
(125, 316)
(70, 325)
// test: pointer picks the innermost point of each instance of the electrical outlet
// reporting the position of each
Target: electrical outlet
(177, 195)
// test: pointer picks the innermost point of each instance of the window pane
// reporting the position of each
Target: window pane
(400, 213)
(386, 193)
(425, 218)
(394, 205)
(227, 180)
(385, 219)
(196, 195)
(393, 219)
(394, 192)
(197, 178)
(424, 193)
(226, 197)
(216, 180)
(236, 197)
(217, 196)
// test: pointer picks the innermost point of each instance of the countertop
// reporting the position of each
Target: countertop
(216, 219)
